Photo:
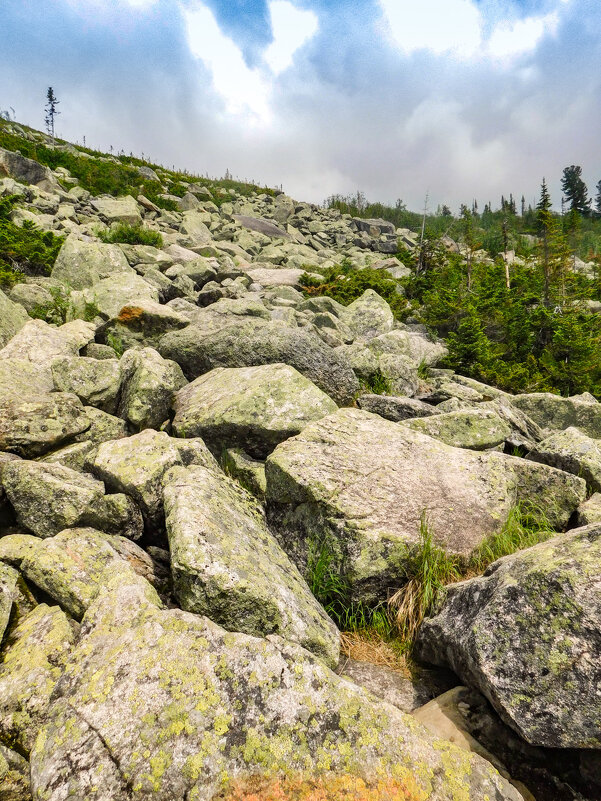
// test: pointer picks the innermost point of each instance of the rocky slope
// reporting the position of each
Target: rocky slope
(172, 457)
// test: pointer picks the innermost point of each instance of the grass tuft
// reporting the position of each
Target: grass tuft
(131, 235)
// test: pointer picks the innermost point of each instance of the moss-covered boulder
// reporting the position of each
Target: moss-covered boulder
(35, 424)
(359, 485)
(8, 593)
(82, 264)
(368, 316)
(394, 408)
(149, 384)
(556, 413)
(12, 318)
(573, 451)
(107, 297)
(33, 658)
(72, 567)
(228, 566)
(118, 209)
(96, 382)
(50, 497)
(14, 776)
(248, 472)
(412, 344)
(166, 705)
(255, 408)
(476, 429)
(252, 341)
(527, 635)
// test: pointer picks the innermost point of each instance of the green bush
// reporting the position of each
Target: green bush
(24, 251)
(132, 235)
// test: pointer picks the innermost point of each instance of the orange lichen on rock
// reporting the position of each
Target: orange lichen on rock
(130, 315)
(331, 787)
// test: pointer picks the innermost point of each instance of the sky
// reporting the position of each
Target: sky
(451, 99)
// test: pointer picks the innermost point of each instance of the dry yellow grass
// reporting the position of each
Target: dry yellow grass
(367, 646)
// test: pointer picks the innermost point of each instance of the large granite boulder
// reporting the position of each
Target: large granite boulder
(167, 705)
(395, 408)
(574, 452)
(228, 566)
(96, 382)
(251, 342)
(12, 318)
(556, 413)
(369, 316)
(118, 210)
(33, 425)
(255, 408)
(360, 485)
(477, 429)
(28, 171)
(412, 344)
(108, 296)
(149, 384)
(82, 264)
(527, 634)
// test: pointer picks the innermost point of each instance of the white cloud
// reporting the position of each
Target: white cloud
(291, 28)
(440, 26)
(514, 38)
(245, 90)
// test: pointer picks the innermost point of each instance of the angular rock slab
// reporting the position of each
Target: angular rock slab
(95, 382)
(12, 318)
(33, 659)
(14, 776)
(82, 264)
(33, 425)
(255, 408)
(149, 384)
(359, 485)
(73, 567)
(557, 413)
(475, 429)
(50, 497)
(167, 705)
(574, 452)
(228, 566)
(252, 342)
(527, 634)
(369, 316)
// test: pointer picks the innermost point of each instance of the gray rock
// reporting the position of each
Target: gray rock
(31, 296)
(183, 707)
(110, 295)
(253, 342)
(556, 413)
(255, 408)
(12, 318)
(394, 408)
(476, 429)
(262, 226)
(119, 210)
(14, 165)
(527, 635)
(149, 384)
(8, 594)
(574, 452)
(103, 427)
(228, 566)
(361, 484)
(589, 511)
(248, 472)
(369, 316)
(416, 347)
(82, 264)
(14, 776)
(35, 424)
(95, 382)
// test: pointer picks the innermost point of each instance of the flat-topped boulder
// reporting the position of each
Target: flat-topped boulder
(12, 318)
(118, 210)
(477, 429)
(81, 264)
(359, 486)
(556, 413)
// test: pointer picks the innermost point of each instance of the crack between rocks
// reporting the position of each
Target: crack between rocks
(126, 783)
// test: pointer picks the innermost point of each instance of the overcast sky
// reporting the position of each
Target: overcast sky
(461, 99)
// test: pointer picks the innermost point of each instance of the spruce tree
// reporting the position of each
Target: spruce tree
(575, 190)
(51, 111)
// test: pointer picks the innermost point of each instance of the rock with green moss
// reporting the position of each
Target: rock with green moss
(252, 341)
(78, 456)
(359, 485)
(417, 347)
(589, 511)
(527, 635)
(106, 298)
(476, 429)
(33, 658)
(254, 408)
(228, 566)
(14, 776)
(15, 547)
(573, 451)
(149, 384)
(102, 427)
(248, 472)
(12, 318)
(395, 408)
(556, 413)
(95, 382)
(82, 264)
(162, 705)
(142, 322)
(72, 567)
(50, 497)
(136, 465)
(118, 209)
(8, 592)
(32, 425)
(368, 316)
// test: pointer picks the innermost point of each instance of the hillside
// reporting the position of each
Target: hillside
(260, 461)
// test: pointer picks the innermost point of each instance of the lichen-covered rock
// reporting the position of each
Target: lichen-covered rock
(108, 296)
(228, 566)
(476, 429)
(8, 593)
(33, 425)
(369, 316)
(362, 484)
(556, 413)
(527, 635)
(14, 776)
(118, 209)
(395, 408)
(50, 497)
(95, 382)
(251, 407)
(82, 264)
(136, 465)
(167, 705)
(248, 472)
(102, 427)
(143, 322)
(33, 658)
(78, 456)
(252, 341)
(73, 567)
(574, 452)
(12, 318)
(589, 511)
(415, 346)
(15, 547)
(149, 383)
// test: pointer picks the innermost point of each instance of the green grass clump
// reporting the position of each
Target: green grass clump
(344, 283)
(132, 235)
(24, 250)
(377, 384)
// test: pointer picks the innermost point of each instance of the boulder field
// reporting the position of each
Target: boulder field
(182, 445)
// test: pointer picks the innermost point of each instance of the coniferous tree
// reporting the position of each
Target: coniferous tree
(598, 200)
(51, 111)
(543, 225)
(575, 190)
